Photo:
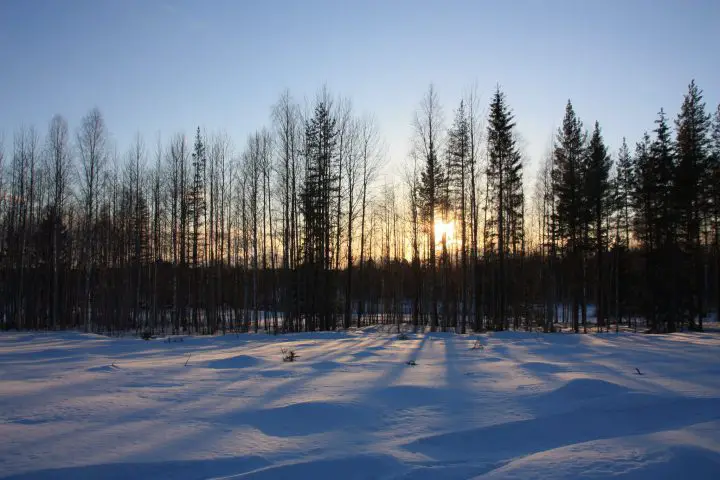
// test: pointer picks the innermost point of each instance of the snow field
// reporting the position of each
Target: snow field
(502, 405)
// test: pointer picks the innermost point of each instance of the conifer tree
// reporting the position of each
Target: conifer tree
(197, 210)
(458, 157)
(691, 193)
(597, 198)
(317, 192)
(665, 223)
(505, 184)
(714, 176)
(432, 182)
(625, 181)
(568, 185)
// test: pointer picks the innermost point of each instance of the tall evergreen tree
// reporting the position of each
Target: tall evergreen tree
(505, 183)
(458, 169)
(665, 223)
(317, 192)
(714, 175)
(197, 210)
(432, 182)
(691, 194)
(597, 198)
(655, 224)
(568, 185)
(625, 181)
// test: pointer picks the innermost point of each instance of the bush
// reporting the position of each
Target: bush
(288, 355)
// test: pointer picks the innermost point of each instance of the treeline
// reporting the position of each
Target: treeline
(296, 232)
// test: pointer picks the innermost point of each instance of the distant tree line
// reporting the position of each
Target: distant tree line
(296, 232)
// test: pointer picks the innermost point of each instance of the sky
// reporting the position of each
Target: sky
(159, 67)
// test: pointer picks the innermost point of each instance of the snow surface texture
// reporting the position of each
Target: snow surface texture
(504, 405)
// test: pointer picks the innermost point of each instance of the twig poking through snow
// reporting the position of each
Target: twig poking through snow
(188, 359)
(638, 371)
(411, 363)
(288, 355)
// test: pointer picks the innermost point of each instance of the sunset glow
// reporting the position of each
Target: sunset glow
(446, 231)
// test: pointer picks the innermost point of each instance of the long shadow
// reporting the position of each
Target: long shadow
(298, 417)
(204, 408)
(526, 437)
(190, 408)
(396, 371)
(180, 469)
(455, 378)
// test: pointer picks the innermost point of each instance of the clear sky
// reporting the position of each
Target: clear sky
(167, 66)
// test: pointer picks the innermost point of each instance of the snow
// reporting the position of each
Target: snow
(504, 405)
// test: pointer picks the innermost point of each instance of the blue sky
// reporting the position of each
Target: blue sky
(167, 66)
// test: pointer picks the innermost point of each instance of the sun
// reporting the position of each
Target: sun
(444, 231)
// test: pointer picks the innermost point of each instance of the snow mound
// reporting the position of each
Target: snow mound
(351, 467)
(599, 460)
(104, 368)
(408, 396)
(238, 361)
(169, 470)
(586, 388)
(307, 418)
(326, 366)
(543, 367)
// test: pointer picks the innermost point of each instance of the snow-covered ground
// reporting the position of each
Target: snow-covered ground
(519, 405)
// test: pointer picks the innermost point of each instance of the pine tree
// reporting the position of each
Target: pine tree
(597, 199)
(432, 183)
(458, 156)
(505, 184)
(714, 175)
(665, 223)
(643, 194)
(655, 225)
(625, 181)
(197, 210)
(691, 194)
(317, 192)
(568, 185)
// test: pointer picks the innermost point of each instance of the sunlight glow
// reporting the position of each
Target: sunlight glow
(446, 231)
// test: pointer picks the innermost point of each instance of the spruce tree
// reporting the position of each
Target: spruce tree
(597, 199)
(505, 186)
(665, 254)
(320, 183)
(197, 211)
(692, 194)
(644, 215)
(458, 157)
(714, 175)
(625, 181)
(432, 183)
(568, 185)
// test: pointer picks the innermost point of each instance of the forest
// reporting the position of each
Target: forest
(294, 231)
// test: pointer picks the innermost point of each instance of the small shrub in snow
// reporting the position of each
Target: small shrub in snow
(477, 345)
(146, 335)
(411, 363)
(402, 336)
(288, 355)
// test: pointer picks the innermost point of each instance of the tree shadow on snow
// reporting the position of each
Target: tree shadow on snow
(173, 469)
